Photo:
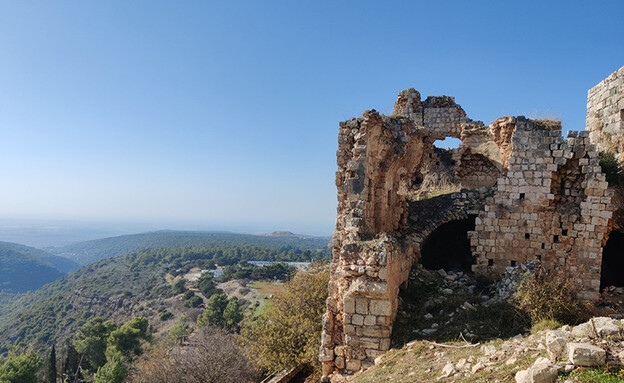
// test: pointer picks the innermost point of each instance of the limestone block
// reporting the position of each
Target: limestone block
(556, 344)
(339, 362)
(370, 320)
(349, 305)
(326, 354)
(370, 343)
(376, 331)
(586, 355)
(361, 306)
(583, 330)
(353, 364)
(607, 327)
(381, 307)
(357, 319)
(384, 344)
(543, 372)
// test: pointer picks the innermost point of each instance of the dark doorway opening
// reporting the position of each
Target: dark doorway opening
(448, 247)
(613, 261)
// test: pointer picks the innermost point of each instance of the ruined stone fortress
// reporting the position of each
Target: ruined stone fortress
(512, 192)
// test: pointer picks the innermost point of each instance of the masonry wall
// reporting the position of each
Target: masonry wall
(552, 205)
(605, 114)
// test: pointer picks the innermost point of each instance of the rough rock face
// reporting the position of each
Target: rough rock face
(535, 196)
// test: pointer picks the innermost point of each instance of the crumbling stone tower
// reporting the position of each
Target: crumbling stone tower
(524, 192)
(605, 114)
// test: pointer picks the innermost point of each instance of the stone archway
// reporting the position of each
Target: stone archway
(613, 261)
(448, 246)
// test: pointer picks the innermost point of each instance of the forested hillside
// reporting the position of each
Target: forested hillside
(24, 268)
(91, 251)
(135, 284)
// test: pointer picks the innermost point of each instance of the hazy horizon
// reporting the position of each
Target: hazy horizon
(57, 233)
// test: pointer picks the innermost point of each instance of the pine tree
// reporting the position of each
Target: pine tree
(52, 366)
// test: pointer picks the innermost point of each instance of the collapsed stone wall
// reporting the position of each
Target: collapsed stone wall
(381, 160)
(605, 114)
(552, 205)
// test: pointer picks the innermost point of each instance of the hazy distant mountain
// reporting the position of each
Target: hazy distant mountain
(92, 251)
(24, 268)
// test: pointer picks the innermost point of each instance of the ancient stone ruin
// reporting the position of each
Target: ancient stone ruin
(513, 191)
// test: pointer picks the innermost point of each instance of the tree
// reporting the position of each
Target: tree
(289, 335)
(179, 331)
(213, 313)
(232, 314)
(612, 169)
(128, 337)
(71, 371)
(91, 340)
(114, 370)
(20, 368)
(178, 286)
(52, 366)
(207, 286)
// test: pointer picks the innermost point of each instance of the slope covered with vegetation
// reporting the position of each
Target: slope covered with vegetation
(24, 268)
(91, 251)
(142, 283)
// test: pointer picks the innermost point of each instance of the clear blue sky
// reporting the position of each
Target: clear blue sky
(201, 114)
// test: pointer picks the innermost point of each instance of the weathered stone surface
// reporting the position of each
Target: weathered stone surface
(448, 370)
(607, 327)
(605, 114)
(586, 355)
(543, 372)
(556, 344)
(379, 307)
(583, 330)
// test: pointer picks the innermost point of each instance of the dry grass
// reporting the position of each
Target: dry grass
(423, 362)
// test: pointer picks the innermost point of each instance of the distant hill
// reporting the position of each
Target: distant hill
(134, 284)
(88, 252)
(24, 268)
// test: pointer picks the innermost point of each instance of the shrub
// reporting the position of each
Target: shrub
(188, 294)
(166, 315)
(214, 357)
(545, 298)
(195, 301)
(289, 334)
(612, 168)
(180, 330)
(178, 286)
